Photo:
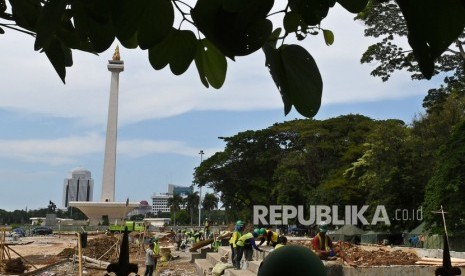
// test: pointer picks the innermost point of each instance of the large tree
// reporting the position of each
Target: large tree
(191, 201)
(447, 187)
(174, 203)
(208, 31)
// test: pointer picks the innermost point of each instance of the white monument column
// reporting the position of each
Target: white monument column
(115, 66)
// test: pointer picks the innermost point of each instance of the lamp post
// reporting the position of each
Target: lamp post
(200, 195)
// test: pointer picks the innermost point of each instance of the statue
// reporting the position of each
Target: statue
(116, 55)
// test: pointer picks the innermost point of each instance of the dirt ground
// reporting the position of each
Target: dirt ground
(42, 252)
(365, 256)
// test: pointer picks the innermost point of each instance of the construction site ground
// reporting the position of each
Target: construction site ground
(54, 255)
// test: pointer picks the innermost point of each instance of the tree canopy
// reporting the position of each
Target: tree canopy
(207, 32)
(348, 160)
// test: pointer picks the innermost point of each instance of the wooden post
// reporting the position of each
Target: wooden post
(79, 253)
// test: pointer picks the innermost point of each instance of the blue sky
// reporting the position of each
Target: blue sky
(48, 129)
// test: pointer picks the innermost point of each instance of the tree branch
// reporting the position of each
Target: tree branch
(460, 46)
(10, 26)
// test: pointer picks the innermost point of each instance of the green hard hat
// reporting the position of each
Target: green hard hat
(239, 223)
(323, 228)
(155, 239)
(296, 260)
(262, 231)
(256, 231)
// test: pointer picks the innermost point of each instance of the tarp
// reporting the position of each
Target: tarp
(372, 237)
(349, 230)
(347, 233)
(420, 229)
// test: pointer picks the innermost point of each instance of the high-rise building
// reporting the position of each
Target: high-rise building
(79, 186)
(180, 190)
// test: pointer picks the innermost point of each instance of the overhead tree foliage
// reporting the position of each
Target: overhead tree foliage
(385, 21)
(226, 29)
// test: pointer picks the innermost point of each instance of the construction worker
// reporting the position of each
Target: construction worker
(245, 244)
(207, 229)
(272, 238)
(237, 233)
(283, 243)
(322, 244)
(151, 256)
(178, 238)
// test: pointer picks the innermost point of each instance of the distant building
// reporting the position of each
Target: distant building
(79, 186)
(160, 203)
(143, 209)
(180, 190)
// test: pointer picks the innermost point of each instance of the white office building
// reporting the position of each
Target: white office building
(160, 203)
(79, 186)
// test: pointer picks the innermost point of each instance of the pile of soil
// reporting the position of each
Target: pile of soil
(380, 257)
(376, 257)
(15, 266)
(105, 248)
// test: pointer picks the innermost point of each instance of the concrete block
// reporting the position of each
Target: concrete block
(254, 266)
(204, 251)
(334, 268)
(195, 255)
(241, 272)
(203, 267)
(214, 258)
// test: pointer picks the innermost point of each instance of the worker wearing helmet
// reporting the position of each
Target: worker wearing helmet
(272, 238)
(244, 246)
(237, 233)
(322, 244)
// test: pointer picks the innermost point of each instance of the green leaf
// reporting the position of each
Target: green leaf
(292, 20)
(60, 57)
(211, 64)
(92, 21)
(183, 51)
(70, 37)
(428, 33)
(159, 55)
(26, 13)
(312, 11)
(101, 35)
(274, 64)
(234, 31)
(353, 6)
(329, 37)
(2, 6)
(126, 16)
(303, 78)
(156, 22)
(178, 49)
(273, 39)
(130, 43)
(48, 22)
(234, 5)
(297, 77)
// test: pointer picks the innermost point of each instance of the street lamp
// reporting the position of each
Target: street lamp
(200, 195)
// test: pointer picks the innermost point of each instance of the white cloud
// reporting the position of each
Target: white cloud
(30, 84)
(69, 150)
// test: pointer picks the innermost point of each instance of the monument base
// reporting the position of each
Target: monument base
(115, 211)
